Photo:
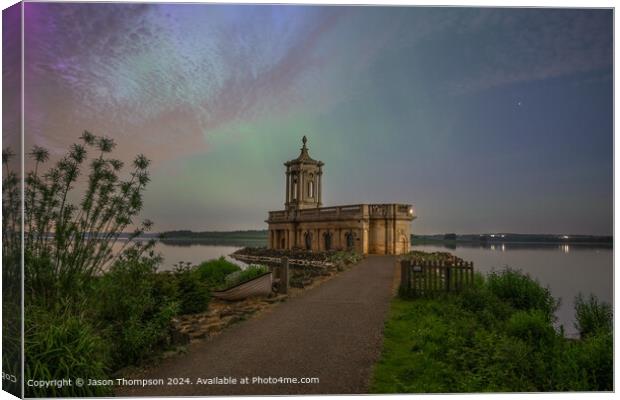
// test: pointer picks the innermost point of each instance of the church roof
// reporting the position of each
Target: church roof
(304, 157)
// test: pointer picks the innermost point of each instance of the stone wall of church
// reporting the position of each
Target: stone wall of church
(367, 236)
(319, 236)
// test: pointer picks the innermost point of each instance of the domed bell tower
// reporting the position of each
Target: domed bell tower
(303, 181)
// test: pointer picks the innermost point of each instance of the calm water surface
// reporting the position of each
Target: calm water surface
(566, 269)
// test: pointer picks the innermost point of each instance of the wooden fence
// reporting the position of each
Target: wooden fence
(422, 277)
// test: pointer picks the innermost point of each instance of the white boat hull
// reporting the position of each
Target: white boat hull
(259, 286)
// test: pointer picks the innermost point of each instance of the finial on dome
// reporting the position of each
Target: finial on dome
(304, 140)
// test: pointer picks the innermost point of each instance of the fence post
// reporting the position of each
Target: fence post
(284, 275)
(448, 277)
(405, 278)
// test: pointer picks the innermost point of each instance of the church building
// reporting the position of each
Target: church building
(306, 224)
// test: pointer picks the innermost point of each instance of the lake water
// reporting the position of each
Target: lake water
(566, 269)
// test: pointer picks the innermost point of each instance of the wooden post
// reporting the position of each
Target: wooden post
(284, 276)
(403, 275)
(448, 277)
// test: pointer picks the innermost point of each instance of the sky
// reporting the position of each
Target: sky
(487, 120)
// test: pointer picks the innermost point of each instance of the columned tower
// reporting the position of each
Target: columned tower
(303, 181)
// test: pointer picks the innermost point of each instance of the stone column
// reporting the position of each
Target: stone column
(302, 181)
(284, 281)
(298, 187)
(318, 188)
(288, 191)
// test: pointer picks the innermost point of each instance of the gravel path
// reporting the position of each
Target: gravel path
(333, 332)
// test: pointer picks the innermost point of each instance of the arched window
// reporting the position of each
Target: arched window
(310, 189)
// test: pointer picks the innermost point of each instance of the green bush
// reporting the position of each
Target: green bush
(592, 316)
(213, 272)
(496, 336)
(532, 326)
(132, 310)
(522, 292)
(193, 292)
(64, 344)
(481, 301)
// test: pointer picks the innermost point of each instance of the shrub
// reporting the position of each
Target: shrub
(62, 264)
(492, 337)
(532, 326)
(595, 358)
(480, 300)
(132, 309)
(193, 292)
(64, 344)
(213, 272)
(592, 316)
(522, 292)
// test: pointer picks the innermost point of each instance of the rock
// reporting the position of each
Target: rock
(226, 311)
(277, 299)
(214, 327)
(198, 335)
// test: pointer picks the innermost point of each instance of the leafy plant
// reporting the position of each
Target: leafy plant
(66, 244)
(89, 309)
(496, 336)
(522, 292)
(63, 344)
(131, 310)
(194, 294)
(592, 316)
(11, 275)
(214, 272)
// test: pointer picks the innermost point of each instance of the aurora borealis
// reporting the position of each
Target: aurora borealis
(486, 119)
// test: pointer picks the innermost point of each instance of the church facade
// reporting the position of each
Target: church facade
(306, 224)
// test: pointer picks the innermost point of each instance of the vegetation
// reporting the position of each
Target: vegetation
(11, 277)
(344, 258)
(89, 310)
(214, 272)
(497, 336)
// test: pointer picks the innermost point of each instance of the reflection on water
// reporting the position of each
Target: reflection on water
(566, 269)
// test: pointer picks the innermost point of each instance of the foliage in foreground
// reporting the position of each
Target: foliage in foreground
(496, 337)
(88, 308)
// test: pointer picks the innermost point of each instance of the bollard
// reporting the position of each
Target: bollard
(284, 275)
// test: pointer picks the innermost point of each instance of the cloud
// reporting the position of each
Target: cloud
(164, 75)
(523, 45)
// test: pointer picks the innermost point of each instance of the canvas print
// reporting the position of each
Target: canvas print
(236, 199)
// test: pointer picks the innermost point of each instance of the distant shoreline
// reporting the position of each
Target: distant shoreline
(449, 239)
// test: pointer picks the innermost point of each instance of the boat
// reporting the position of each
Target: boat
(259, 286)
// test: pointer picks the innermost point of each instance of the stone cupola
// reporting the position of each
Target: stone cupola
(303, 181)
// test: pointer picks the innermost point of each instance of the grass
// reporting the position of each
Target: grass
(491, 340)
